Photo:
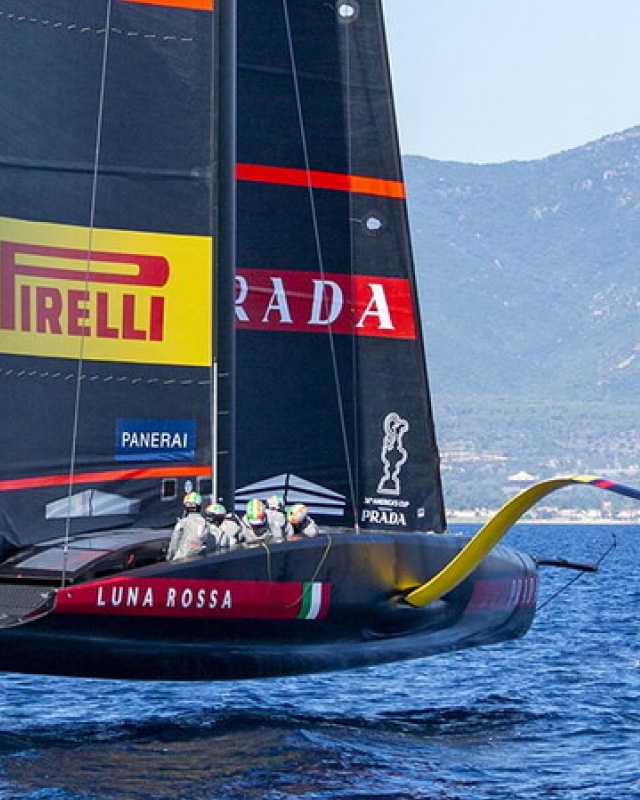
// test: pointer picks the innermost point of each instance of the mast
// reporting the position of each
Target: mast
(224, 187)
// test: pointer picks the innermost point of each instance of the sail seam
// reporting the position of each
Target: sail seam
(11, 373)
(83, 29)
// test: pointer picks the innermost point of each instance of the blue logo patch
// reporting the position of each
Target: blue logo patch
(155, 439)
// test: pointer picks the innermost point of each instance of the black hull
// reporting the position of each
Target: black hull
(366, 622)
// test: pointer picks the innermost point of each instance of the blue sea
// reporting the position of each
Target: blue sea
(554, 715)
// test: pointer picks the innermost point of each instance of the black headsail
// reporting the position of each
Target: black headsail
(105, 261)
(333, 405)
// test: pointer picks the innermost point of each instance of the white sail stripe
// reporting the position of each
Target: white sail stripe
(278, 484)
(300, 483)
(325, 511)
(297, 496)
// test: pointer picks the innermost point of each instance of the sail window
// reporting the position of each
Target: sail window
(205, 486)
(169, 489)
(347, 12)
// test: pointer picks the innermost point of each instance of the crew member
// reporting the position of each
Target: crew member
(224, 527)
(276, 516)
(300, 521)
(191, 535)
(255, 525)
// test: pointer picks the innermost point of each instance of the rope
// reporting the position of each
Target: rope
(319, 255)
(580, 575)
(324, 557)
(92, 215)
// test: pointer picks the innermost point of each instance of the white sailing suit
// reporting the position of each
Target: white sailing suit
(278, 525)
(191, 537)
(308, 527)
(227, 532)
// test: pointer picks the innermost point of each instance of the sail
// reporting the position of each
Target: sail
(105, 261)
(107, 208)
(333, 404)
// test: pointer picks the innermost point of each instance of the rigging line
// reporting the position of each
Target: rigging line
(350, 171)
(316, 572)
(576, 578)
(92, 216)
(267, 552)
(319, 255)
(325, 555)
(214, 429)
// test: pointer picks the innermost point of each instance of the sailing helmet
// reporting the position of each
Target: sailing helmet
(215, 512)
(192, 501)
(256, 513)
(275, 502)
(297, 514)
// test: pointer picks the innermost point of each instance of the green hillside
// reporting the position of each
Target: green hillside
(529, 277)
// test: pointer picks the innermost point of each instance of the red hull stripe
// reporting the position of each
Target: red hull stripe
(503, 594)
(357, 184)
(197, 5)
(103, 477)
(196, 599)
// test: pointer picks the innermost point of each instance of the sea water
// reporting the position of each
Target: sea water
(554, 715)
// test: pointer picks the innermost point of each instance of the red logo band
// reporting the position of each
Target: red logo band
(343, 304)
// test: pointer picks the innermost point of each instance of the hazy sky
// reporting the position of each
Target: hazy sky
(494, 80)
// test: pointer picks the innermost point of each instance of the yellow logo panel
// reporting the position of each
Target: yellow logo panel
(104, 295)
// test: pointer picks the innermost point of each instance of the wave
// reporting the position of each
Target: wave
(492, 714)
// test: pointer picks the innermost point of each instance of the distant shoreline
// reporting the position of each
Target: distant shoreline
(469, 519)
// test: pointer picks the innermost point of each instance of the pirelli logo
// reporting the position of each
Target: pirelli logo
(63, 309)
(132, 296)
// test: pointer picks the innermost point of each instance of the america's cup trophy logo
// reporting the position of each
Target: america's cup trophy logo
(393, 455)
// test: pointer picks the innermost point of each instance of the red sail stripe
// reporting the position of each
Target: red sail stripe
(197, 5)
(358, 184)
(103, 477)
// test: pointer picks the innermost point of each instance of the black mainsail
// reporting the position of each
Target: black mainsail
(329, 332)
(106, 221)
(105, 237)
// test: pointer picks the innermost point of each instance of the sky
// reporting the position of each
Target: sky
(495, 80)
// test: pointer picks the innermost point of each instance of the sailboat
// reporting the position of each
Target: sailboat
(206, 282)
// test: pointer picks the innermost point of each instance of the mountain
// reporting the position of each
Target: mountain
(529, 278)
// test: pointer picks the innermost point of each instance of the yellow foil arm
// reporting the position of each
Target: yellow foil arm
(492, 531)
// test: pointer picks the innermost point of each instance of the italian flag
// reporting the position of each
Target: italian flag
(315, 600)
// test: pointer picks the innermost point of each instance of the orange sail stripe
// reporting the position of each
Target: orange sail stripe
(358, 184)
(196, 5)
(103, 477)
